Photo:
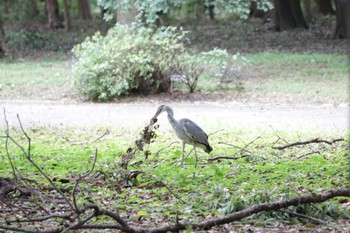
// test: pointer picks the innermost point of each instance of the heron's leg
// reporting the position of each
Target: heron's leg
(183, 152)
(195, 152)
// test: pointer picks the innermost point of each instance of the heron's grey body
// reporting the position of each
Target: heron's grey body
(187, 131)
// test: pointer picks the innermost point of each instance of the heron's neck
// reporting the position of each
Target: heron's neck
(174, 123)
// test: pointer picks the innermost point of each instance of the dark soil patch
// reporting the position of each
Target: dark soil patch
(256, 36)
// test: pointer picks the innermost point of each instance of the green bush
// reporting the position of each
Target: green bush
(128, 59)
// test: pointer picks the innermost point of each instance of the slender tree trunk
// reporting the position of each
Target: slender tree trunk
(289, 15)
(325, 7)
(2, 38)
(52, 13)
(84, 12)
(342, 29)
(211, 10)
(102, 12)
(126, 17)
(308, 10)
(200, 12)
(67, 23)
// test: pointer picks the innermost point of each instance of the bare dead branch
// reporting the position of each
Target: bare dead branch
(251, 142)
(82, 177)
(310, 153)
(90, 141)
(174, 194)
(319, 221)
(269, 206)
(157, 153)
(7, 146)
(211, 134)
(28, 157)
(229, 144)
(278, 135)
(41, 219)
(315, 140)
(26, 135)
(241, 150)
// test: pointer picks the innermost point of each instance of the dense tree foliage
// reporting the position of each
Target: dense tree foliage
(58, 14)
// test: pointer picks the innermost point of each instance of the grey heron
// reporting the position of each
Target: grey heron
(187, 131)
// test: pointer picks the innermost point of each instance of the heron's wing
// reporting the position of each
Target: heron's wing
(194, 131)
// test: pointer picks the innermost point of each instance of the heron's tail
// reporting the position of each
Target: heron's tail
(208, 148)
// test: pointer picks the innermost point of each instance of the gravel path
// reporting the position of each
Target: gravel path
(209, 115)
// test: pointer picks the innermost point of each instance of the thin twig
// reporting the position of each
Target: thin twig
(310, 153)
(90, 141)
(26, 135)
(315, 140)
(171, 191)
(211, 134)
(36, 166)
(248, 144)
(7, 133)
(319, 221)
(157, 153)
(241, 149)
(278, 135)
(226, 157)
(40, 219)
(80, 178)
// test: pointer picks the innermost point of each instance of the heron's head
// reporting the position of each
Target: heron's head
(161, 108)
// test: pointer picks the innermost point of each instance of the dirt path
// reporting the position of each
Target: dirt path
(209, 115)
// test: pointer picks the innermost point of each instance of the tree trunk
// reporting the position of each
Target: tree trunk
(2, 38)
(126, 17)
(52, 13)
(308, 10)
(67, 23)
(289, 15)
(200, 11)
(342, 29)
(325, 7)
(211, 9)
(102, 12)
(84, 12)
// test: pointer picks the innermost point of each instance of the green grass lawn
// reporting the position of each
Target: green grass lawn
(272, 77)
(164, 188)
(290, 78)
(38, 79)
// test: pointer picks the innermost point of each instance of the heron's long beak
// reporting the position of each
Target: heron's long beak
(159, 111)
(154, 118)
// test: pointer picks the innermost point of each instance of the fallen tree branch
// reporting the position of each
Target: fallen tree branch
(270, 206)
(204, 225)
(315, 140)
